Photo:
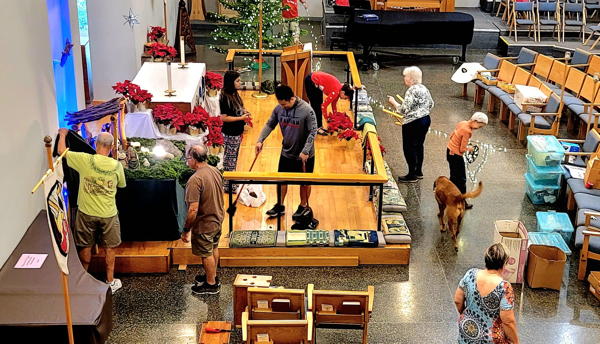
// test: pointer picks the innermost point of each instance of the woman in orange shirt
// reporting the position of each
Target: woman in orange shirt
(458, 145)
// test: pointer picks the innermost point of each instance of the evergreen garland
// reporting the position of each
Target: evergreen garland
(242, 29)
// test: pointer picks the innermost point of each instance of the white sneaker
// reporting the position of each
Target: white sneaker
(115, 285)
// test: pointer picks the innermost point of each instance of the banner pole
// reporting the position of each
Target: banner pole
(65, 279)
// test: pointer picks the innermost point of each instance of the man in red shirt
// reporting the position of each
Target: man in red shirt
(319, 84)
(290, 11)
(458, 145)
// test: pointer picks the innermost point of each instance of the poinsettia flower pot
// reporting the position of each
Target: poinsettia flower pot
(214, 150)
(142, 107)
(163, 129)
(172, 130)
(193, 131)
(212, 92)
(130, 107)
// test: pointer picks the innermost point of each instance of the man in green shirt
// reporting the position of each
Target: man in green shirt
(97, 220)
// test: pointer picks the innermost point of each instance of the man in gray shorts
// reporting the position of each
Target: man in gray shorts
(97, 219)
(204, 198)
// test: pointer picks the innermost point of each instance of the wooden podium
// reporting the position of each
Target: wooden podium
(295, 66)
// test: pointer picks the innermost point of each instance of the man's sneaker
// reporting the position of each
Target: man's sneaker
(206, 289)
(296, 216)
(276, 211)
(200, 279)
(407, 179)
(115, 285)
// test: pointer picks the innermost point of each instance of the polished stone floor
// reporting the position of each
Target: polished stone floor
(413, 304)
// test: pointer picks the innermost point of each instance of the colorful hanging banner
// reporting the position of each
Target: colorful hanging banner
(58, 222)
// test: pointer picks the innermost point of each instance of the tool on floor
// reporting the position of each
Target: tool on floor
(231, 210)
(215, 330)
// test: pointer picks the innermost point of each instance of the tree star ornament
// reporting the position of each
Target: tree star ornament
(131, 19)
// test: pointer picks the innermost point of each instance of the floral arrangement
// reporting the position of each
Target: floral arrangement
(132, 91)
(156, 33)
(159, 50)
(248, 121)
(338, 122)
(348, 135)
(196, 118)
(214, 137)
(214, 80)
(167, 114)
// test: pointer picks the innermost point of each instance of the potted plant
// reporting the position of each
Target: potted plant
(167, 118)
(157, 34)
(195, 121)
(214, 139)
(348, 135)
(161, 52)
(214, 83)
(137, 97)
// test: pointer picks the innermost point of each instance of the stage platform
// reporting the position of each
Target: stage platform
(336, 207)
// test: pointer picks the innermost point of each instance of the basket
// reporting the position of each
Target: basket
(506, 87)
(486, 80)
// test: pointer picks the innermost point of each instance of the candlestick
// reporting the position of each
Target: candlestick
(182, 65)
(170, 92)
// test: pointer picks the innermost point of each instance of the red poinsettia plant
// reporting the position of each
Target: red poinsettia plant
(167, 114)
(132, 91)
(381, 147)
(159, 50)
(196, 118)
(214, 80)
(338, 122)
(248, 121)
(348, 135)
(156, 33)
(214, 137)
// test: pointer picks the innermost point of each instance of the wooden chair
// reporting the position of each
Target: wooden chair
(574, 14)
(256, 296)
(335, 298)
(279, 331)
(594, 66)
(505, 73)
(521, 77)
(529, 124)
(534, 82)
(543, 65)
(548, 13)
(590, 234)
(558, 75)
(588, 148)
(573, 82)
(523, 13)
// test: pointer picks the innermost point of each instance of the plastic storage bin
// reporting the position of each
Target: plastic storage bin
(549, 239)
(551, 221)
(540, 193)
(545, 150)
(546, 175)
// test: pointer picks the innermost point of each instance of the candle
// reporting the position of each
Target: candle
(170, 88)
(182, 49)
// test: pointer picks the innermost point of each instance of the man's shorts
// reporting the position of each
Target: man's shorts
(295, 165)
(92, 230)
(204, 242)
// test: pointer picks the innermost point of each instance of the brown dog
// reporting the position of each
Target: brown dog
(452, 205)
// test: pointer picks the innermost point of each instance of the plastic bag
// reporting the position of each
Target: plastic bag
(253, 196)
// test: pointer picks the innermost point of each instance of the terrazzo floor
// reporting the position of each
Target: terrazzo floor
(414, 303)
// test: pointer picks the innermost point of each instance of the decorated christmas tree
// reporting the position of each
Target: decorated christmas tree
(242, 28)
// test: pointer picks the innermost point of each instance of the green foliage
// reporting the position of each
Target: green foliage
(163, 169)
(242, 30)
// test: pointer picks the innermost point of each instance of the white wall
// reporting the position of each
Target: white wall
(115, 48)
(28, 114)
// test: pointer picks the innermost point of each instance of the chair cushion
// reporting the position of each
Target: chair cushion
(594, 28)
(553, 87)
(591, 142)
(540, 122)
(525, 22)
(507, 99)
(580, 221)
(577, 186)
(594, 241)
(570, 99)
(576, 108)
(573, 23)
(548, 22)
(496, 91)
(587, 201)
(585, 117)
(491, 61)
(481, 84)
(514, 108)
(526, 56)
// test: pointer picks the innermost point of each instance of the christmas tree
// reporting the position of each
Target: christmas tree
(242, 29)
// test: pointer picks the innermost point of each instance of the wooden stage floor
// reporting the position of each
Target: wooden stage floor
(336, 207)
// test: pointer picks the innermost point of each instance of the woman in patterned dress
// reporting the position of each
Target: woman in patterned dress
(234, 117)
(416, 107)
(485, 303)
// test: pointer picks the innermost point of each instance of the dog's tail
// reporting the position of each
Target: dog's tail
(474, 193)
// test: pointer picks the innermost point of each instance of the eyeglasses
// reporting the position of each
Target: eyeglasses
(188, 158)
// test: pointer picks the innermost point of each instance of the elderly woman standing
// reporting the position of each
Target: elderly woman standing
(416, 107)
(485, 301)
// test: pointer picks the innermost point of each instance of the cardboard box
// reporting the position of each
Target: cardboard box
(594, 279)
(525, 95)
(592, 173)
(545, 266)
(513, 235)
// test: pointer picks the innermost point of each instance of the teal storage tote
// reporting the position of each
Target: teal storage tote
(551, 221)
(540, 193)
(546, 175)
(549, 239)
(545, 150)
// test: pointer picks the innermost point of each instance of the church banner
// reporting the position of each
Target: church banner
(58, 221)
